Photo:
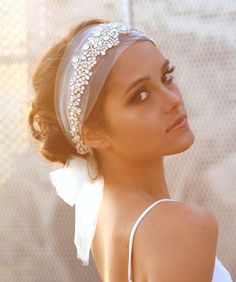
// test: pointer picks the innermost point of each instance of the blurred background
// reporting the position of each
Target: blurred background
(199, 38)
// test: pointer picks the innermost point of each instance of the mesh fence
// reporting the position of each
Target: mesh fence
(199, 38)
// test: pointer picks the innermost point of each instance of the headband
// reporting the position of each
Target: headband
(82, 72)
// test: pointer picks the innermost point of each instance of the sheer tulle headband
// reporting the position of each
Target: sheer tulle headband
(82, 72)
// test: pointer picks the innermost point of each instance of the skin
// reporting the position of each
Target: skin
(132, 140)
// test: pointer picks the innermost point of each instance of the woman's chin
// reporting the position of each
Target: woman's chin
(183, 143)
(187, 141)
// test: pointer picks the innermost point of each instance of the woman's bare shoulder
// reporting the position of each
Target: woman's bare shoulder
(176, 213)
(176, 239)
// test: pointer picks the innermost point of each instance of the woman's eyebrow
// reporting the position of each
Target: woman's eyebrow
(141, 79)
(165, 65)
(136, 82)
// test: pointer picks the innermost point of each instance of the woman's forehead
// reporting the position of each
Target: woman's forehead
(137, 60)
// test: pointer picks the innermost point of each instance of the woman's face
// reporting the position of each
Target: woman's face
(137, 115)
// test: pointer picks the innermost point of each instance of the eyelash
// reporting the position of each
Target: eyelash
(170, 71)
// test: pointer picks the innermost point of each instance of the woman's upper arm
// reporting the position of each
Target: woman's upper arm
(176, 244)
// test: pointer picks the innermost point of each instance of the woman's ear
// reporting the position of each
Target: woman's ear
(94, 137)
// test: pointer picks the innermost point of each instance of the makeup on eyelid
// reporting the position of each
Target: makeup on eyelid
(171, 70)
(165, 66)
(141, 89)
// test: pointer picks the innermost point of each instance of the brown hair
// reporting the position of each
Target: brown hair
(42, 117)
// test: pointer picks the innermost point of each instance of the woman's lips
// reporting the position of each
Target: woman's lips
(178, 123)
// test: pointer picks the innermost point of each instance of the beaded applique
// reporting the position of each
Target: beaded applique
(103, 37)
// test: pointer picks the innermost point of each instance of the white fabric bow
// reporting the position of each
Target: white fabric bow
(75, 187)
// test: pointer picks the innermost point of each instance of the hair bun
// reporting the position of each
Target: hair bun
(42, 117)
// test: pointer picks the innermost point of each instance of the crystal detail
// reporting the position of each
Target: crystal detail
(103, 37)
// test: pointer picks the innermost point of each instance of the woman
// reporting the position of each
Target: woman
(105, 98)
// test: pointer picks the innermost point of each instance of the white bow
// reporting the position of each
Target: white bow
(75, 187)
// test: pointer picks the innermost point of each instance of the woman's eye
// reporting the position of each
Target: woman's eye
(168, 77)
(141, 93)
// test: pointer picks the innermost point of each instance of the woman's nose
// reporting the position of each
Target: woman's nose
(171, 99)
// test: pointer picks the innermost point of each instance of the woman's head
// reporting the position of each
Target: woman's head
(118, 124)
(83, 70)
(136, 116)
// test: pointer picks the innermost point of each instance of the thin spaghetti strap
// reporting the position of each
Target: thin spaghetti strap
(134, 229)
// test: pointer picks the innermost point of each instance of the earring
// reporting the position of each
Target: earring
(92, 165)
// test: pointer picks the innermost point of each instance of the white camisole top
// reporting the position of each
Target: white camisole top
(220, 274)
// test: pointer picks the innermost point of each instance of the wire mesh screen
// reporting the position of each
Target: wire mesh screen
(199, 38)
